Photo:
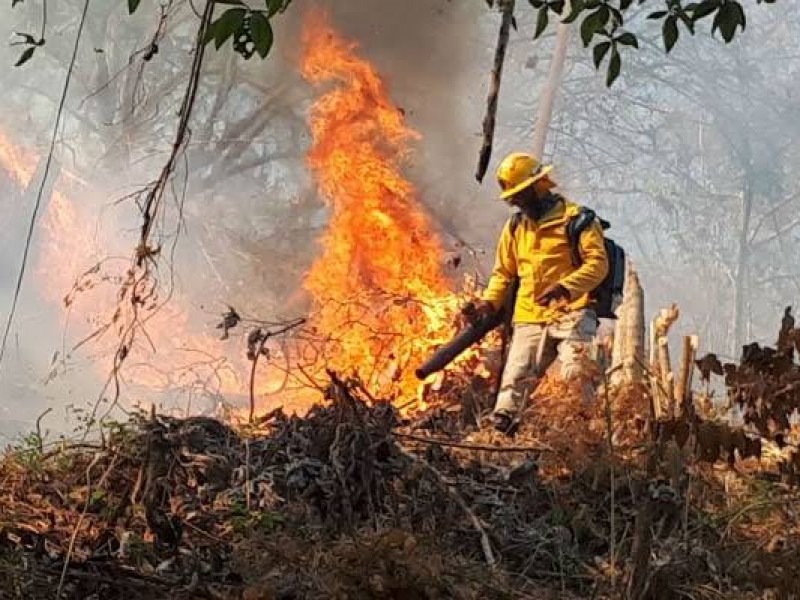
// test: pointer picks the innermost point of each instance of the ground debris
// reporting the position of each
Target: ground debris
(355, 500)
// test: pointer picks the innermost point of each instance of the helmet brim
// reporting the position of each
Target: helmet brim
(543, 172)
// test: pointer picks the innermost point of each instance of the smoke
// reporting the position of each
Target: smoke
(246, 215)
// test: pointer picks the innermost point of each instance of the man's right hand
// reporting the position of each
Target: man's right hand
(476, 310)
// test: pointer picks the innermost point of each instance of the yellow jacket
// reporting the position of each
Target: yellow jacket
(540, 254)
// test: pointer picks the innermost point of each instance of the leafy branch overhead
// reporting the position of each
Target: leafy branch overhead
(602, 23)
(247, 27)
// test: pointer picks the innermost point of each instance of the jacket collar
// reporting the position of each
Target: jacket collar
(560, 213)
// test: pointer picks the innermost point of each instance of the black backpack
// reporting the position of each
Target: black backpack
(608, 295)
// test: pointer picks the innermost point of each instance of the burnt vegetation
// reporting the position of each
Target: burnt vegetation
(356, 500)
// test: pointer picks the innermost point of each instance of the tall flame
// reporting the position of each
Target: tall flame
(378, 286)
(381, 299)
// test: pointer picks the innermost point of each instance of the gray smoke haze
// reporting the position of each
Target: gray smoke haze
(692, 159)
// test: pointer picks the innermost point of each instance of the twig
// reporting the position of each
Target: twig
(247, 470)
(507, 8)
(654, 379)
(610, 435)
(204, 533)
(131, 578)
(459, 499)
(69, 446)
(263, 337)
(39, 439)
(468, 446)
(79, 524)
(258, 353)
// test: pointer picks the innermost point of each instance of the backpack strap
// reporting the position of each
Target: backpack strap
(576, 226)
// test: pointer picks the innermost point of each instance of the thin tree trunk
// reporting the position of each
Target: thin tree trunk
(655, 389)
(620, 333)
(665, 372)
(683, 387)
(545, 113)
(742, 260)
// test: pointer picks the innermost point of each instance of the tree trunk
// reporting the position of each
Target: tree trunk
(629, 333)
(683, 387)
(633, 344)
(655, 389)
(489, 121)
(545, 113)
(665, 373)
(620, 333)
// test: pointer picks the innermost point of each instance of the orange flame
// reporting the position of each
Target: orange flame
(381, 299)
(381, 296)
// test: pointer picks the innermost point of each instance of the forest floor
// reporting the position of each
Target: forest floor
(353, 501)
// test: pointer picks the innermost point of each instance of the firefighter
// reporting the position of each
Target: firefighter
(553, 315)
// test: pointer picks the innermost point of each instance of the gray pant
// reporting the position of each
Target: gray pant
(568, 339)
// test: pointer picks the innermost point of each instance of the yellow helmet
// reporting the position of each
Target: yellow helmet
(518, 171)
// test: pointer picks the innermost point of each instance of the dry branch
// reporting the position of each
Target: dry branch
(470, 446)
(665, 373)
(441, 481)
(507, 11)
(683, 386)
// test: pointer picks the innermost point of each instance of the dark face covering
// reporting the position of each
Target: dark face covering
(532, 204)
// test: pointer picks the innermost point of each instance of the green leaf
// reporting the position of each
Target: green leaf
(261, 32)
(592, 24)
(659, 14)
(670, 32)
(599, 52)
(628, 39)
(541, 21)
(133, 5)
(614, 68)
(274, 7)
(687, 20)
(228, 25)
(742, 17)
(705, 8)
(625, 4)
(604, 16)
(27, 38)
(729, 17)
(26, 56)
(616, 16)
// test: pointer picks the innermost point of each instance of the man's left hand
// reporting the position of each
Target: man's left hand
(553, 294)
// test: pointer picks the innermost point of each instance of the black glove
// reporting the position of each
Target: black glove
(476, 310)
(555, 293)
